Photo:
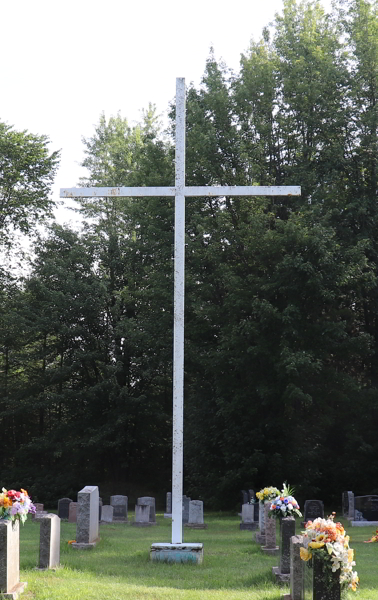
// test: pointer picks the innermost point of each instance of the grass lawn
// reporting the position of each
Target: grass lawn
(119, 568)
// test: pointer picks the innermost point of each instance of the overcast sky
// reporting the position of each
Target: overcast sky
(63, 63)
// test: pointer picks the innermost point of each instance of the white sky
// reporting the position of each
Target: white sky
(63, 63)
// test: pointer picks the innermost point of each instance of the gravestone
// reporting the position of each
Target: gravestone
(196, 515)
(168, 506)
(270, 546)
(248, 513)
(99, 508)
(256, 512)
(151, 502)
(120, 505)
(107, 513)
(287, 531)
(348, 505)
(314, 587)
(365, 510)
(260, 536)
(10, 585)
(297, 567)
(87, 518)
(251, 495)
(72, 512)
(49, 542)
(38, 509)
(185, 509)
(312, 510)
(142, 515)
(63, 505)
(244, 497)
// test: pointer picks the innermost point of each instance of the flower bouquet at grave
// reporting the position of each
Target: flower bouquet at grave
(284, 504)
(15, 506)
(328, 542)
(267, 493)
(374, 538)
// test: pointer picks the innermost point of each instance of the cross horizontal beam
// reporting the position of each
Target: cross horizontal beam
(212, 191)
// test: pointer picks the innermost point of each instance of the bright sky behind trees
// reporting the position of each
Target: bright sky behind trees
(64, 63)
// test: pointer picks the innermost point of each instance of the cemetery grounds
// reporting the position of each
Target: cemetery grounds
(119, 568)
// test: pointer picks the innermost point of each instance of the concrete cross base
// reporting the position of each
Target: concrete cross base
(249, 526)
(364, 523)
(196, 525)
(83, 546)
(260, 538)
(270, 550)
(178, 553)
(15, 592)
(280, 577)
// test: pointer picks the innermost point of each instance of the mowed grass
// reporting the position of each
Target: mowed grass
(119, 568)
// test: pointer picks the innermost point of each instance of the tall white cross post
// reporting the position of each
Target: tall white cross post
(179, 191)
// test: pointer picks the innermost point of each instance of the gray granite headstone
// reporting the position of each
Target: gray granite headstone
(49, 542)
(10, 558)
(99, 508)
(248, 513)
(331, 591)
(142, 515)
(287, 530)
(244, 497)
(196, 515)
(151, 502)
(72, 512)
(168, 503)
(260, 535)
(297, 570)
(251, 495)
(107, 513)
(120, 505)
(185, 508)
(38, 508)
(63, 505)
(270, 546)
(87, 517)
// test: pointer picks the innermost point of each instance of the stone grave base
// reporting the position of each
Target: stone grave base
(260, 538)
(15, 592)
(178, 553)
(119, 520)
(248, 526)
(83, 546)
(280, 577)
(167, 515)
(196, 525)
(143, 524)
(270, 550)
(364, 523)
(286, 597)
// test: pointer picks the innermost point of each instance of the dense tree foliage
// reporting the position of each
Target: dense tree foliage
(281, 371)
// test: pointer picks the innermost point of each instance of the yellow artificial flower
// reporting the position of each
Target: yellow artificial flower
(305, 554)
(346, 541)
(350, 554)
(320, 537)
(316, 544)
(7, 502)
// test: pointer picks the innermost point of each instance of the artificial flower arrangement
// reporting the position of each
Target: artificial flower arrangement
(15, 505)
(267, 493)
(374, 538)
(327, 541)
(284, 504)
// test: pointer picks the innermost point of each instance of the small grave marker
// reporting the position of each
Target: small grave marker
(49, 542)
(120, 506)
(63, 505)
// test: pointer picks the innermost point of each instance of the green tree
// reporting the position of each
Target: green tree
(27, 170)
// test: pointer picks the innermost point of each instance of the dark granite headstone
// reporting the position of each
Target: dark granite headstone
(315, 586)
(244, 497)
(366, 508)
(63, 507)
(312, 510)
(251, 494)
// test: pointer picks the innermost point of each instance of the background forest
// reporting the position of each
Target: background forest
(281, 367)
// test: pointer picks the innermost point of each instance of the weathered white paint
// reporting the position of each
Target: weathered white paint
(179, 191)
(213, 191)
(178, 321)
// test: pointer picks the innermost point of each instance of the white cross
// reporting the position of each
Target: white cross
(179, 191)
